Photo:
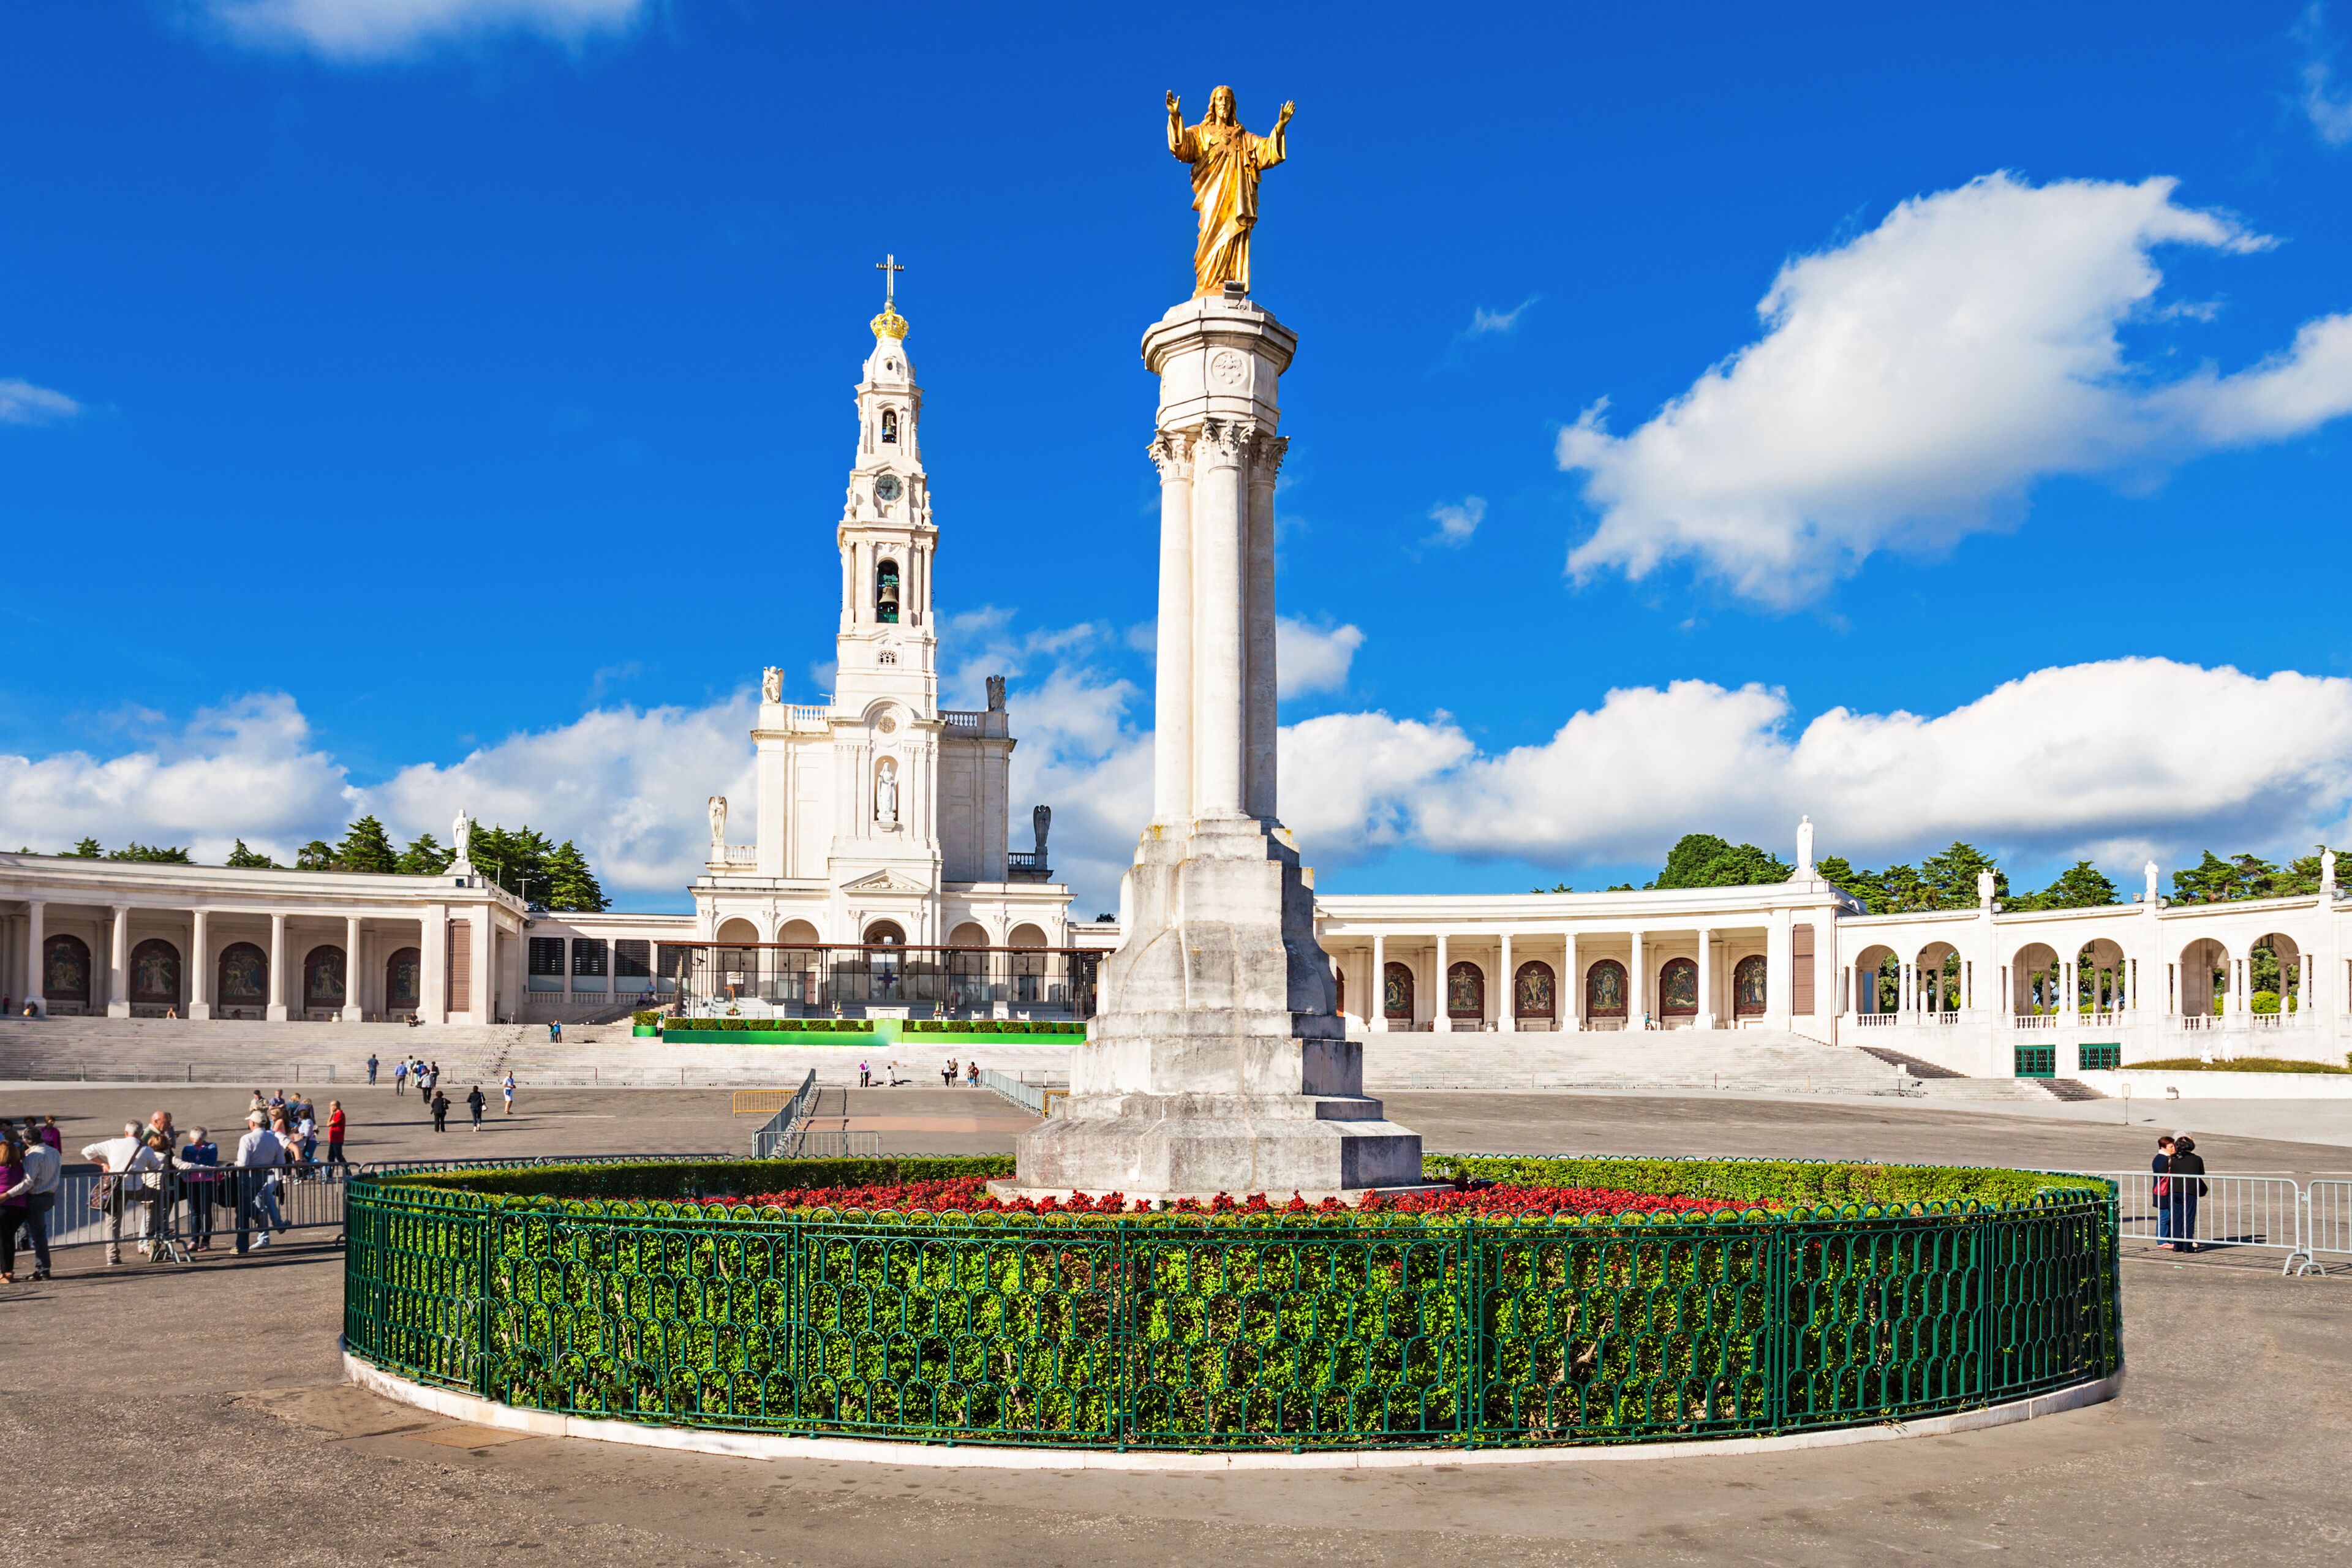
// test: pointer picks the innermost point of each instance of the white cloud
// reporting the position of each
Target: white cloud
(1491, 323)
(2124, 755)
(2116, 760)
(1455, 523)
(355, 30)
(22, 403)
(628, 785)
(2329, 107)
(247, 769)
(1912, 384)
(1310, 658)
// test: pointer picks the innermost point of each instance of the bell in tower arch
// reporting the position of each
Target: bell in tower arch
(885, 593)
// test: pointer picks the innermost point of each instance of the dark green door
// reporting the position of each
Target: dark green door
(2037, 1061)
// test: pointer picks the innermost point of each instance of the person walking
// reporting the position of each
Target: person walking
(971, 1073)
(200, 1157)
(507, 1087)
(2159, 1192)
(258, 1155)
(42, 1166)
(371, 1069)
(475, 1101)
(113, 1157)
(53, 1135)
(400, 1077)
(440, 1112)
(865, 1076)
(947, 1074)
(335, 1123)
(2187, 1178)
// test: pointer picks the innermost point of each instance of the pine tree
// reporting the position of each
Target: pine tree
(250, 859)
(86, 850)
(1951, 878)
(151, 853)
(516, 861)
(572, 885)
(365, 848)
(1704, 860)
(2081, 886)
(316, 856)
(423, 858)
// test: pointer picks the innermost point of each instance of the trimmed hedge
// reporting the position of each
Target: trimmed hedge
(988, 1026)
(1861, 1293)
(772, 1026)
(2236, 1064)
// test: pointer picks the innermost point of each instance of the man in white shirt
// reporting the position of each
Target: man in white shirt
(258, 1152)
(126, 1158)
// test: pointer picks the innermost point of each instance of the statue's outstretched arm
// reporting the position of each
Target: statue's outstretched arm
(1274, 145)
(1180, 139)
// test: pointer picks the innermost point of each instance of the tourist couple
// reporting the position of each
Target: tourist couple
(2180, 1171)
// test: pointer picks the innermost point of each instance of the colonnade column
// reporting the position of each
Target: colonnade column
(1440, 1021)
(2303, 986)
(1171, 740)
(1569, 1003)
(1506, 1001)
(1637, 988)
(276, 1013)
(200, 965)
(118, 963)
(34, 913)
(433, 965)
(1376, 1011)
(1219, 657)
(1780, 971)
(1705, 1019)
(353, 1010)
(485, 983)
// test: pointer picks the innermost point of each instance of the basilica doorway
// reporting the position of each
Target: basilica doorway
(1678, 991)
(1604, 991)
(1396, 992)
(886, 960)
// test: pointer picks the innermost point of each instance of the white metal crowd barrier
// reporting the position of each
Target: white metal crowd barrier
(2265, 1213)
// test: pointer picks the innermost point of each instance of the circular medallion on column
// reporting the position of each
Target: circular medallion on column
(1225, 366)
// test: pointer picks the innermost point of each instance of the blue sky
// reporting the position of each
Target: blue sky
(404, 401)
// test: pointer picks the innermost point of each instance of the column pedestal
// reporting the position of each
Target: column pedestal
(276, 1013)
(118, 964)
(200, 966)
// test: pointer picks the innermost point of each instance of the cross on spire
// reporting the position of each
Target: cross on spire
(889, 269)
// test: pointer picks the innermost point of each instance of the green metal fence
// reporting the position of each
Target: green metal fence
(1173, 1332)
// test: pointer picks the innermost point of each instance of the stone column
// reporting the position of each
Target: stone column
(485, 979)
(276, 1012)
(1779, 972)
(1705, 1019)
(118, 963)
(433, 965)
(1506, 1003)
(36, 919)
(1637, 989)
(200, 964)
(1219, 650)
(354, 1009)
(1259, 729)
(1376, 1015)
(1572, 985)
(1172, 739)
(1441, 1020)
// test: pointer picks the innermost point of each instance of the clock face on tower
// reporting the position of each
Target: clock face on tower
(886, 488)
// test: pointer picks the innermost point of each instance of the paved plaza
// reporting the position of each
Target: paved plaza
(192, 1406)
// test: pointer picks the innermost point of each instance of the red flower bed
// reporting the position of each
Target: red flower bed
(969, 1194)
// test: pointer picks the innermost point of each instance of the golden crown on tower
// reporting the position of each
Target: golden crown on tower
(889, 323)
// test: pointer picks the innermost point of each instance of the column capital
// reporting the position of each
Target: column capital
(1171, 453)
(1223, 442)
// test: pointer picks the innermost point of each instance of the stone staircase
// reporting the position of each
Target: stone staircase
(1745, 1059)
(1942, 1083)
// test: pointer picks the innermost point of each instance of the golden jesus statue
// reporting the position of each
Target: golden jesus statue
(1226, 162)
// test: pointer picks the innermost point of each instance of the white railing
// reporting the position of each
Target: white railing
(801, 717)
(2327, 1219)
(741, 854)
(961, 719)
(2192, 1021)
(1947, 1016)
(1874, 1020)
(2035, 1021)
(2265, 1213)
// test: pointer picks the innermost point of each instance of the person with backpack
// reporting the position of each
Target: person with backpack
(440, 1112)
(475, 1101)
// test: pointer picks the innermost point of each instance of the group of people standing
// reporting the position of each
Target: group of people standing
(30, 1160)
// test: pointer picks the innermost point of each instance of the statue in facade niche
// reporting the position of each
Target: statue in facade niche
(772, 685)
(717, 819)
(886, 793)
(1226, 162)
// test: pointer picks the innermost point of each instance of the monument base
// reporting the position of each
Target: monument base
(1195, 1145)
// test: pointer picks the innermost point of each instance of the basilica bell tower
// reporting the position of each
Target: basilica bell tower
(889, 646)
